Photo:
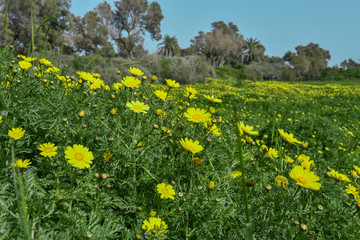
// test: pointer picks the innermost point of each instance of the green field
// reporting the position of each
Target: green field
(147, 161)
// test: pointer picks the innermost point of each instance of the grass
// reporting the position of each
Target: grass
(117, 193)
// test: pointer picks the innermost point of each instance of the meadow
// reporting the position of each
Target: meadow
(83, 158)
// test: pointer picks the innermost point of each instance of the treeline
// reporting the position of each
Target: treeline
(48, 25)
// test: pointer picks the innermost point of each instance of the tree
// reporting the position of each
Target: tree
(349, 64)
(308, 61)
(222, 45)
(90, 35)
(169, 46)
(131, 19)
(253, 50)
(49, 35)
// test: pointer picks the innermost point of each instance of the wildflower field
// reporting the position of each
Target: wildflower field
(82, 158)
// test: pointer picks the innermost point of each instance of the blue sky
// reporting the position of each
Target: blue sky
(280, 25)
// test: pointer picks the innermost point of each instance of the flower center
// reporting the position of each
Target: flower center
(138, 107)
(302, 180)
(47, 150)
(16, 135)
(165, 191)
(79, 156)
(190, 148)
(131, 84)
(196, 116)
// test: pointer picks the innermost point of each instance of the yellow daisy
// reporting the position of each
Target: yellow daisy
(172, 83)
(79, 156)
(155, 227)
(357, 169)
(166, 191)
(85, 76)
(16, 133)
(197, 115)
(305, 178)
(107, 156)
(338, 176)
(235, 174)
(48, 149)
(117, 86)
(246, 130)
(135, 71)
(138, 107)
(289, 138)
(45, 62)
(350, 189)
(189, 145)
(160, 94)
(281, 181)
(190, 92)
(22, 164)
(212, 99)
(25, 65)
(131, 82)
(272, 153)
(28, 59)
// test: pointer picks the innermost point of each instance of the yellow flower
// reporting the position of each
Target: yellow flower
(85, 76)
(138, 107)
(211, 185)
(16, 133)
(22, 164)
(172, 83)
(272, 152)
(154, 78)
(246, 130)
(338, 176)
(214, 130)
(160, 94)
(81, 114)
(113, 111)
(305, 178)
(1, 119)
(197, 115)
(79, 156)
(212, 99)
(350, 189)
(235, 174)
(107, 156)
(25, 65)
(166, 191)
(28, 59)
(48, 149)
(155, 227)
(306, 163)
(117, 86)
(96, 83)
(45, 62)
(281, 181)
(152, 213)
(189, 145)
(135, 71)
(289, 138)
(190, 92)
(131, 82)
(288, 159)
(357, 169)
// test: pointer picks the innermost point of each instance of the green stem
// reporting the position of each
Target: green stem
(20, 197)
(248, 226)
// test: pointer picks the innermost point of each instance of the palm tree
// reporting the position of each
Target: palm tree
(253, 50)
(169, 46)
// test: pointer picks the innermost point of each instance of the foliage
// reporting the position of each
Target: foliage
(253, 51)
(130, 21)
(307, 62)
(137, 154)
(169, 46)
(223, 45)
(51, 20)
